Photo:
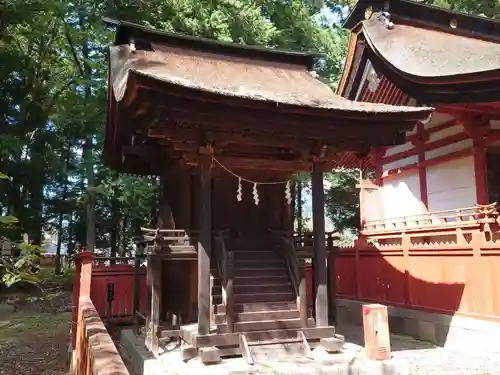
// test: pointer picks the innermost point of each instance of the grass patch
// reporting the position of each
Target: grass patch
(29, 325)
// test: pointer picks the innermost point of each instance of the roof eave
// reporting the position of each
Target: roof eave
(125, 30)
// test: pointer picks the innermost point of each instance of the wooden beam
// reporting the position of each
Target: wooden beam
(319, 260)
(204, 244)
(222, 137)
(329, 130)
(262, 164)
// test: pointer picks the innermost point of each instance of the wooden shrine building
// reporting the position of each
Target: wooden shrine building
(225, 126)
(435, 196)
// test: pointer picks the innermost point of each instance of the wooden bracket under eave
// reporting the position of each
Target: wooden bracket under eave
(206, 150)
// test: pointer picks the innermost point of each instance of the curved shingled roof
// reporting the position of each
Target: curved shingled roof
(272, 79)
(431, 54)
(427, 53)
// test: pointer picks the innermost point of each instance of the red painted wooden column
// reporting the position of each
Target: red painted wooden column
(419, 142)
(476, 128)
(479, 153)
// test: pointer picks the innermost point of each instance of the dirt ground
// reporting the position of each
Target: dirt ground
(34, 339)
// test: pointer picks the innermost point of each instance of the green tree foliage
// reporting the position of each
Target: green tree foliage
(53, 103)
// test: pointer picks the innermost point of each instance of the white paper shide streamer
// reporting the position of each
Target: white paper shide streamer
(255, 186)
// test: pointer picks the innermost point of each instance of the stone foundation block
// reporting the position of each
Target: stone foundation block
(188, 352)
(210, 355)
(332, 344)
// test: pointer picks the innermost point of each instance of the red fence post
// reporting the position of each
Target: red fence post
(406, 244)
(358, 244)
(81, 286)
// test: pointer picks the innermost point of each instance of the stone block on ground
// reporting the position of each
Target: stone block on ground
(210, 355)
(188, 352)
(332, 344)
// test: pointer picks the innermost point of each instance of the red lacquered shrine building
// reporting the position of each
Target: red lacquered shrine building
(225, 127)
(431, 209)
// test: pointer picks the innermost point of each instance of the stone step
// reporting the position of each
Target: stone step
(265, 297)
(256, 288)
(260, 315)
(262, 272)
(258, 254)
(262, 280)
(262, 325)
(259, 297)
(259, 263)
(258, 306)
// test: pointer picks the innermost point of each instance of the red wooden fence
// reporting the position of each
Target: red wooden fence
(460, 275)
(448, 277)
(121, 278)
(115, 278)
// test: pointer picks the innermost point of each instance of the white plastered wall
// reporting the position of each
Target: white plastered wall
(401, 196)
(451, 185)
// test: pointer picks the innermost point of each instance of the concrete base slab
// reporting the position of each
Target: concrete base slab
(350, 361)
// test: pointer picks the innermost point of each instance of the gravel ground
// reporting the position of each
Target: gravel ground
(424, 358)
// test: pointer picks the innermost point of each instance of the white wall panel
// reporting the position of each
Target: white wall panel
(451, 185)
(400, 163)
(372, 202)
(402, 196)
(446, 132)
(457, 146)
(495, 124)
(437, 119)
(399, 148)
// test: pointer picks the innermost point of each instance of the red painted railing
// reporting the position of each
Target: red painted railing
(94, 350)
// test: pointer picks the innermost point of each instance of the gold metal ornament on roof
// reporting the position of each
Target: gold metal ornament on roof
(368, 13)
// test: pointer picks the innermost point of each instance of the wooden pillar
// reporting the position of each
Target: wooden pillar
(319, 259)
(137, 292)
(331, 282)
(81, 287)
(184, 199)
(153, 281)
(157, 265)
(149, 296)
(204, 243)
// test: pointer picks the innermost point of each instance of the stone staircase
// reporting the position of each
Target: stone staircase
(265, 307)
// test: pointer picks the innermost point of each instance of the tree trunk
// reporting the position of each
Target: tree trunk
(115, 222)
(88, 151)
(57, 265)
